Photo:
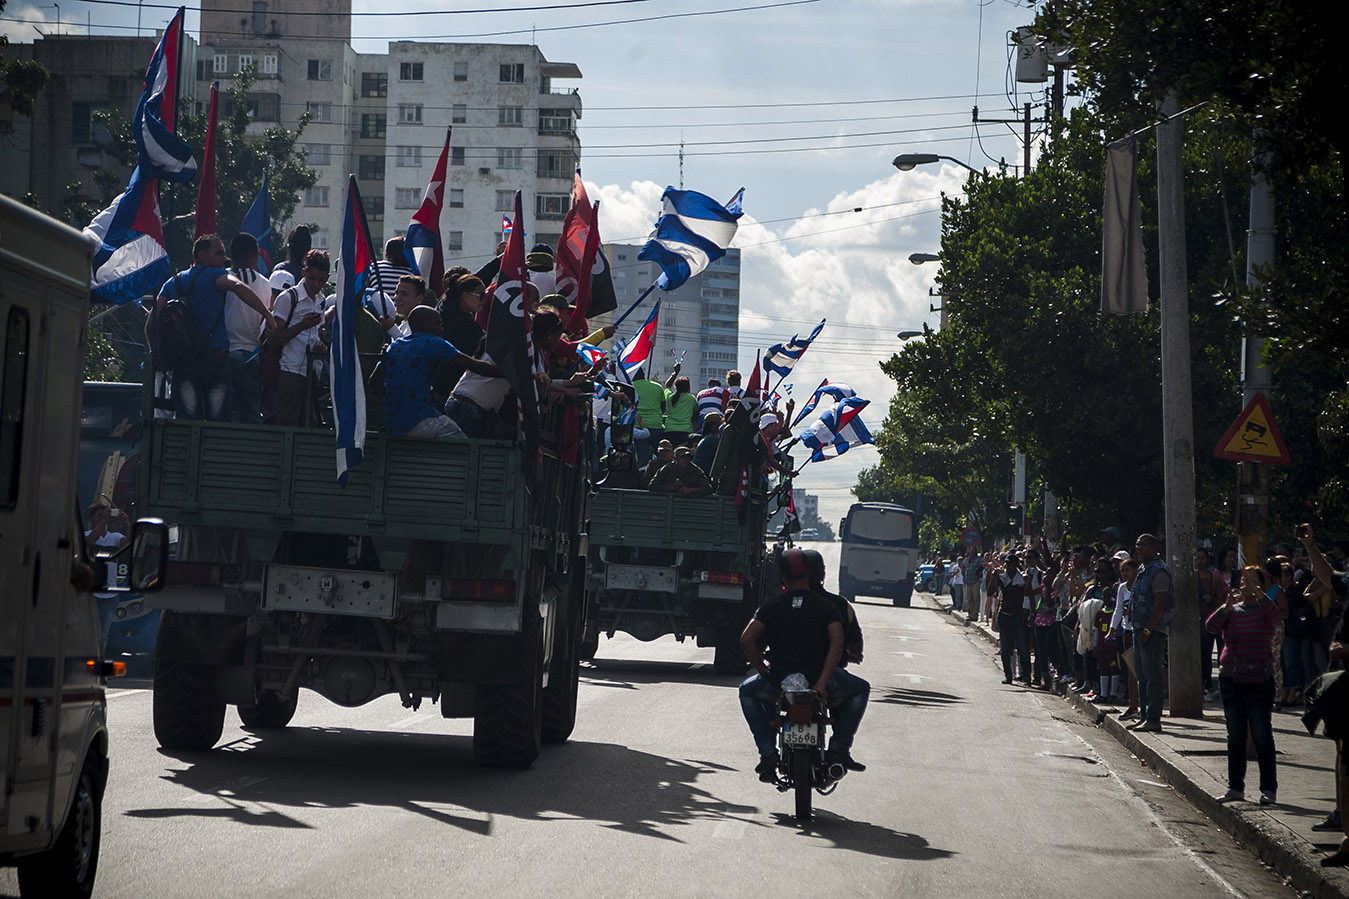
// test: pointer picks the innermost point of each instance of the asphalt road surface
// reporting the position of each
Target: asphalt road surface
(974, 789)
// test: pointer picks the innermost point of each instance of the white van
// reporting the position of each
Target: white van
(53, 734)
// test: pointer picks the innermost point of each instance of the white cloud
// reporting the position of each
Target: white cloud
(27, 31)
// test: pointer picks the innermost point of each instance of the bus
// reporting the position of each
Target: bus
(880, 552)
(110, 425)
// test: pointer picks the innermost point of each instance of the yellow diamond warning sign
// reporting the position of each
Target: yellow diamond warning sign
(1254, 437)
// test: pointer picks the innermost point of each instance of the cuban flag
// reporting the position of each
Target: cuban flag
(589, 353)
(637, 351)
(838, 430)
(163, 154)
(258, 222)
(353, 267)
(782, 357)
(750, 401)
(836, 392)
(693, 231)
(422, 244)
(505, 227)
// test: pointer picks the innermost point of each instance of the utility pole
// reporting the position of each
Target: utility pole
(1253, 507)
(1187, 699)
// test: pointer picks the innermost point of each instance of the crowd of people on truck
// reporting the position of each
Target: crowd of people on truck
(1095, 619)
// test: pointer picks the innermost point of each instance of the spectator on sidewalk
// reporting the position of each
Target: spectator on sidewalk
(1092, 603)
(957, 586)
(1011, 622)
(1212, 590)
(1119, 624)
(1152, 608)
(1247, 621)
(974, 576)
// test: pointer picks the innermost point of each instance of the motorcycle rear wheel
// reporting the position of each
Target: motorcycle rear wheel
(802, 781)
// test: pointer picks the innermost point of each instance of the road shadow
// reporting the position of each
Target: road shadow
(860, 836)
(270, 780)
(645, 671)
(916, 698)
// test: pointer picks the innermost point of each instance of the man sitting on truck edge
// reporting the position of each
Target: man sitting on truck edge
(681, 476)
(409, 364)
(803, 634)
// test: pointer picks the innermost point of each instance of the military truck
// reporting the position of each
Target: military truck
(667, 564)
(448, 570)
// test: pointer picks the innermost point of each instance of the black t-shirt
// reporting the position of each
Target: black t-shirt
(852, 629)
(796, 631)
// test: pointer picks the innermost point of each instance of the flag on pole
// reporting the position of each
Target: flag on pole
(637, 351)
(833, 392)
(1124, 276)
(581, 294)
(203, 220)
(693, 231)
(347, 382)
(162, 153)
(576, 227)
(505, 227)
(425, 253)
(751, 401)
(509, 341)
(782, 357)
(589, 353)
(837, 430)
(258, 222)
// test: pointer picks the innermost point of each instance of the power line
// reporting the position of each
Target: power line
(421, 12)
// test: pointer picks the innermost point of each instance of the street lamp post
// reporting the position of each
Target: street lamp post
(906, 161)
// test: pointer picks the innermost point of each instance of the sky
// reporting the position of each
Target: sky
(803, 104)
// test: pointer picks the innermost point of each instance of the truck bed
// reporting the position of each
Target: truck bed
(663, 520)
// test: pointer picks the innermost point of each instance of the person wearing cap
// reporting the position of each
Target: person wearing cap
(681, 476)
(1152, 608)
(1114, 541)
(664, 456)
(711, 439)
(539, 261)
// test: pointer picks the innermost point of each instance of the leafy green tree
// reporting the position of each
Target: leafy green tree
(23, 79)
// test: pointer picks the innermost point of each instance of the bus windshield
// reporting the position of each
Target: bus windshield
(879, 523)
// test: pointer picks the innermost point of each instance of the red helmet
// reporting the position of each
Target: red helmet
(792, 563)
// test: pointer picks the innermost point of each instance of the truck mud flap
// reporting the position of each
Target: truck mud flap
(201, 639)
(479, 659)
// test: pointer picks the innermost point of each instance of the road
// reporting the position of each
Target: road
(974, 789)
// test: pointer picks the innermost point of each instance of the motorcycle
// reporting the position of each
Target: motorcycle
(801, 741)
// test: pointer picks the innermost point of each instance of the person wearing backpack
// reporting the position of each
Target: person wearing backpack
(299, 312)
(245, 333)
(189, 335)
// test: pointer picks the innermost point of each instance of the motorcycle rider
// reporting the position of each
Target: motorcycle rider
(852, 630)
(804, 633)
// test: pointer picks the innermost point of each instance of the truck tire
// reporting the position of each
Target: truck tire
(508, 718)
(67, 870)
(187, 713)
(728, 657)
(801, 782)
(564, 680)
(270, 713)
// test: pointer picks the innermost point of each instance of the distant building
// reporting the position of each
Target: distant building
(702, 317)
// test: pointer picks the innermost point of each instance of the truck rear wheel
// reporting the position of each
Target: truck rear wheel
(508, 718)
(69, 867)
(270, 713)
(559, 697)
(187, 713)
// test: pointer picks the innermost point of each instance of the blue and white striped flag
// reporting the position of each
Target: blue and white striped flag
(833, 392)
(782, 357)
(837, 430)
(693, 231)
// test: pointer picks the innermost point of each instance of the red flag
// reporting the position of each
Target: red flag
(581, 300)
(571, 247)
(204, 222)
(509, 341)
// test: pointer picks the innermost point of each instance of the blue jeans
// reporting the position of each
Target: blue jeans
(466, 415)
(201, 388)
(848, 695)
(1012, 637)
(1249, 706)
(1148, 663)
(246, 386)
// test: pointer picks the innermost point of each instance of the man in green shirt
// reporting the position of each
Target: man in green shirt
(650, 415)
(681, 476)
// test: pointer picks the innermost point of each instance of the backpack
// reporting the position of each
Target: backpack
(179, 338)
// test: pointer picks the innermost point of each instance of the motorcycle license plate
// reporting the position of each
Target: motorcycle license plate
(801, 734)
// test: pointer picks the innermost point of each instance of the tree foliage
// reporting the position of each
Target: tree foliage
(23, 79)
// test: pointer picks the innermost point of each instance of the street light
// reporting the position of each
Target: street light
(920, 258)
(905, 335)
(906, 161)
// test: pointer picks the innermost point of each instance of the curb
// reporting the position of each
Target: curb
(1299, 870)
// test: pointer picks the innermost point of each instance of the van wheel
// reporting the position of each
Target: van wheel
(187, 714)
(270, 713)
(69, 867)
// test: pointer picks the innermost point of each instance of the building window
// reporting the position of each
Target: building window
(221, 64)
(512, 73)
(320, 111)
(458, 114)
(85, 130)
(551, 206)
(269, 63)
(510, 116)
(409, 71)
(264, 107)
(370, 168)
(409, 113)
(409, 157)
(456, 198)
(556, 121)
(374, 124)
(320, 70)
(374, 84)
(316, 196)
(461, 71)
(259, 17)
(456, 155)
(205, 69)
(407, 198)
(319, 239)
(509, 157)
(375, 209)
(318, 154)
(245, 60)
(505, 200)
(556, 164)
(456, 241)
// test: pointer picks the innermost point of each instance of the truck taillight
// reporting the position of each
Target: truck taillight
(722, 577)
(105, 669)
(479, 590)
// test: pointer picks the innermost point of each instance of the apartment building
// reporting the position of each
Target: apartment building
(700, 320)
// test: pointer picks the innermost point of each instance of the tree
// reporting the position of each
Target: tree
(23, 79)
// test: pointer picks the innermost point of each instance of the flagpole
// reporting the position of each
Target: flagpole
(646, 293)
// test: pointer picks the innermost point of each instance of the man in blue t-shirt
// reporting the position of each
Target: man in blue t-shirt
(201, 386)
(408, 366)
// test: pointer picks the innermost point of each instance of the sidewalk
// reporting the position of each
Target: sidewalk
(1191, 755)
